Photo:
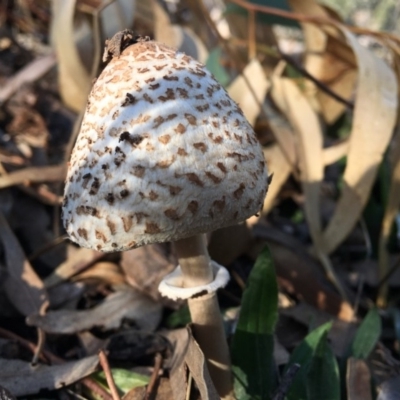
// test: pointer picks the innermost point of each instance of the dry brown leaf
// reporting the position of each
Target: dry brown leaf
(179, 340)
(335, 152)
(322, 62)
(163, 391)
(105, 272)
(358, 380)
(23, 379)
(146, 266)
(187, 351)
(124, 304)
(176, 36)
(279, 166)
(250, 100)
(197, 365)
(77, 262)
(53, 173)
(6, 395)
(282, 130)
(374, 119)
(23, 287)
(300, 275)
(309, 139)
(74, 80)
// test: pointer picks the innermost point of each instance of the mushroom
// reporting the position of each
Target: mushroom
(164, 154)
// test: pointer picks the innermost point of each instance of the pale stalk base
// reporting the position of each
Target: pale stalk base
(208, 331)
(208, 328)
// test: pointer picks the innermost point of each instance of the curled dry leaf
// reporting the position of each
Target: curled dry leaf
(23, 287)
(124, 304)
(325, 59)
(187, 353)
(250, 98)
(279, 166)
(73, 78)
(23, 379)
(374, 119)
(309, 139)
(54, 173)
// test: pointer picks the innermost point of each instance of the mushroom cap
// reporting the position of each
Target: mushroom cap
(163, 153)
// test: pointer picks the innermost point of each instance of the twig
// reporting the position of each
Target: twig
(96, 388)
(39, 347)
(189, 386)
(46, 356)
(317, 82)
(31, 72)
(311, 19)
(47, 247)
(107, 371)
(287, 381)
(154, 377)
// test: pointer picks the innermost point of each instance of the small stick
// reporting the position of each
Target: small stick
(48, 356)
(39, 347)
(154, 376)
(107, 371)
(287, 381)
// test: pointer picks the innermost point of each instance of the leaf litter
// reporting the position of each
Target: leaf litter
(325, 108)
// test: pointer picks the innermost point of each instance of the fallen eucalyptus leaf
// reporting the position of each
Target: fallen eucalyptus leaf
(23, 287)
(124, 304)
(23, 379)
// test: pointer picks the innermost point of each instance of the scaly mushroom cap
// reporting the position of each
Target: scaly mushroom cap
(163, 153)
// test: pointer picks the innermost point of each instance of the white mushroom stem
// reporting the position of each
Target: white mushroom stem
(194, 261)
(207, 322)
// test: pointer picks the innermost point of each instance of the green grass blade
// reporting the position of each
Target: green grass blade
(367, 335)
(252, 347)
(323, 379)
(303, 355)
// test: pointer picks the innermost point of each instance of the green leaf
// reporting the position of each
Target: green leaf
(303, 355)
(253, 342)
(124, 380)
(323, 379)
(367, 335)
(214, 66)
(179, 318)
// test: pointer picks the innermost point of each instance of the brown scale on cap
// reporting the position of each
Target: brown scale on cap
(163, 152)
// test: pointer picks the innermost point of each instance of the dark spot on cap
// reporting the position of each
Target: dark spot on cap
(124, 193)
(134, 140)
(193, 206)
(129, 99)
(239, 191)
(110, 198)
